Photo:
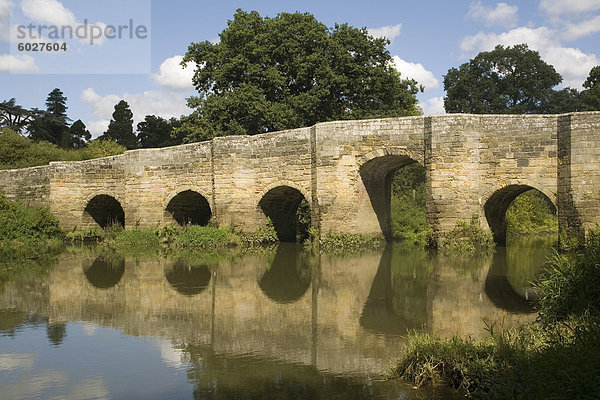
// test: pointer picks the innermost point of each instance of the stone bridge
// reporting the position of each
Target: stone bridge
(475, 165)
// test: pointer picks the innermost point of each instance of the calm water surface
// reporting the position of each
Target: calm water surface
(282, 325)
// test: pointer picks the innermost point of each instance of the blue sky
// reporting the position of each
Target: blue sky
(428, 38)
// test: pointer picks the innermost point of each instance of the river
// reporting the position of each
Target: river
(282, 324)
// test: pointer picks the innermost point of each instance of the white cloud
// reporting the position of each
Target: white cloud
(4, 20)
(165, 104)
(572, 7)
(173, 76)
(582, 29)
(49, 11)
(4, 9)
(573, 64)
(432, 106)
(503, 15)
(389, 31)
(54, 13)
(18, 63)
(415, 71)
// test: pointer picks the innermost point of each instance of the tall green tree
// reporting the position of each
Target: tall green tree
(14, 116)
(51, 125)
(155, 131)
(506, 80)
(79, 135)
(268, 74)
(120, 128)
(590, 97)
(56, 104)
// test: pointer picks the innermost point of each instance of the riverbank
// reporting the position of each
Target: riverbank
(556, 357)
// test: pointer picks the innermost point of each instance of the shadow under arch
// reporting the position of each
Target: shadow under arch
(188, 280)
(499, 290)
(497, 204)
(376, 175)
(380, 314)
(105, 272)
(288, 277)
(281, 204)
(189, 208)
(105, 210)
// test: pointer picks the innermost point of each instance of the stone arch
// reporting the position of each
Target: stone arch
(188, 280)
(280, 202)
(497, 202)
(376, 171)
(105, 210)
(188, 207)
(105, 272)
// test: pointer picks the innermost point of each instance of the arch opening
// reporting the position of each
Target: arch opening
(189, 208)
(396, 188)
(188, 280)
(105, 210)
(528, 206)
(289, 211)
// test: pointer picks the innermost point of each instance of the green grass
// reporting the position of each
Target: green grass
(556, 357)
(346, 244)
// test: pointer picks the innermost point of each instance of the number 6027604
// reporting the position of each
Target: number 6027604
(42, 46)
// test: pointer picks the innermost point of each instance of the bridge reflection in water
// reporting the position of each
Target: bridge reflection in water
(345, 316)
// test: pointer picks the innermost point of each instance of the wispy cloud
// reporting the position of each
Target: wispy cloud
(17, 63)
(389, 31)
(502, 15)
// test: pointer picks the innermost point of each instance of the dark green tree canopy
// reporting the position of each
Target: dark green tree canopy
(590, 97)
(156, 131)
(505, 80)
(120, 128)
(289, 71)
(52, 124)
(14, 116)
(56, 104)
(79, 135)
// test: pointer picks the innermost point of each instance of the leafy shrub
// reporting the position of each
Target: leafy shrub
(137, 239)
(408, 210)
(17, 151)
(102, 148)
(19, 222)
(529, 213)
(263, 235)
(468, 238)
(208, 237)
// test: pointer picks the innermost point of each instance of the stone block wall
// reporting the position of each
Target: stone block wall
(247, 167)
(475, 165)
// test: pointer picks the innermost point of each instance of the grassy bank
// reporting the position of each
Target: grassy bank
(556, 357)
(173, 237)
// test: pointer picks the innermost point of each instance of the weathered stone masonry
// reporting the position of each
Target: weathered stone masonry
(476, 165)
